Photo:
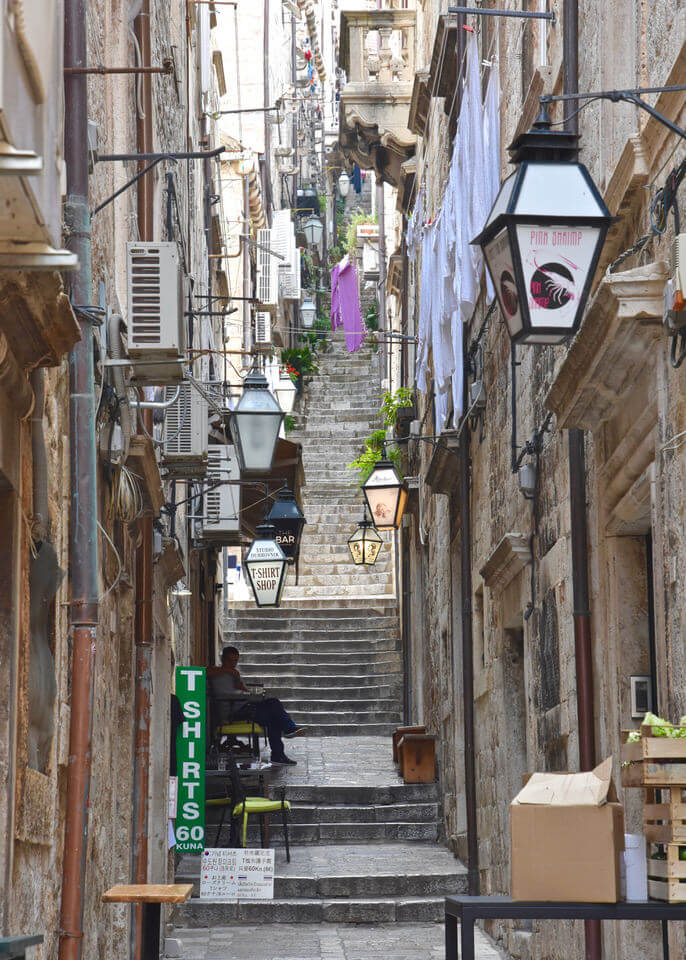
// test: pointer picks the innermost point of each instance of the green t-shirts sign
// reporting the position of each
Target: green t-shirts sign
(190, 760)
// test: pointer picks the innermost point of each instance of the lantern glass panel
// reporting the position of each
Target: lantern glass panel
(285, 393)
(255, 426)
(559, 189)
(556, 262)
(365, 544)
(266, 568)
(502, 201)
(385, 497)
(499, 262)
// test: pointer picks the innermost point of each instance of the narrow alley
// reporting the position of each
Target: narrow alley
(369, 868)
(342, 480)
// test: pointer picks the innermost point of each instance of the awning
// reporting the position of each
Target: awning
(287, 468)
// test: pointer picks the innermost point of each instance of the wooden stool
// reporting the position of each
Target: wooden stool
(399, 734)
(150, 896)
(417, 758)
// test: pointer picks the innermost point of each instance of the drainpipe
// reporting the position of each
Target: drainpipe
(577, 498)
(39, 459)
(385, 366)
(83, 543)
(247, 338)
(143, 606)
(266, 103)
(467, 647)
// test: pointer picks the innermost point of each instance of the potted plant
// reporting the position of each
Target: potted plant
(399, 410)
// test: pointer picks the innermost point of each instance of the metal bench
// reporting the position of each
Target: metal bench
(468, 909)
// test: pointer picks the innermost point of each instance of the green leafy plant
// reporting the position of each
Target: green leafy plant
(372, 453)
(371, 317)
(392, 402)
(302, 360)
(289, 423)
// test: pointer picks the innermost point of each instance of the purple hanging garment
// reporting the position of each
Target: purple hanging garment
(345, 304)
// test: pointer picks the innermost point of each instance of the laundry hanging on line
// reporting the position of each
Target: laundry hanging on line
(345, 304)
(451, 268)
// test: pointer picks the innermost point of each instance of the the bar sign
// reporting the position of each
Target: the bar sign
(190, 760)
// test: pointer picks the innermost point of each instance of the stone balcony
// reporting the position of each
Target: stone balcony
(378, 56)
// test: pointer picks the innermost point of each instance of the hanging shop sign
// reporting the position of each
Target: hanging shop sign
(191, 686)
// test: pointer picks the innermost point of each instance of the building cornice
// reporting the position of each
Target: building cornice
(510, 556)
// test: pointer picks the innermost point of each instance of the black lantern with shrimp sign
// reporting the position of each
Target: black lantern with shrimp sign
(543, 237)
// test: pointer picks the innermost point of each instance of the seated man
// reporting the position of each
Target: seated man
(225, 681)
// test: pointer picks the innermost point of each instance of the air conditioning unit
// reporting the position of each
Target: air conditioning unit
(185, 432)
(290, 275)
(267, 272)
(220, 522)
(263, 331)
(156, 340)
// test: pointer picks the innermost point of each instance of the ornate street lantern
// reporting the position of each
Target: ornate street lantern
(288, 521)
(313, 228)
(543, 237)
(344, 184)
(255, 425)
(308, 313)
(385, 495)
(285, 392)
(365, 543)
(265, 565)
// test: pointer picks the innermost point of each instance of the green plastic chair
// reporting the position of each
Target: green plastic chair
(242, 807)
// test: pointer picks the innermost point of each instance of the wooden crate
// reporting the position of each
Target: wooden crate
(653, 761)
(667, 878)
(664, 817)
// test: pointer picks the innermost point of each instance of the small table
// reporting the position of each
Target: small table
(150, 896)
(468, 909)
(14, 948)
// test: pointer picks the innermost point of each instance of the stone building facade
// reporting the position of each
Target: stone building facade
(38, 328)
(614, 382)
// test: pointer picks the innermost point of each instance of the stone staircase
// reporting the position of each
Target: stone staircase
(340, 409)
(365, 846)
(338, 670)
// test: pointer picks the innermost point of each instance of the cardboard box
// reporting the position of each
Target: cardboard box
(567, 836)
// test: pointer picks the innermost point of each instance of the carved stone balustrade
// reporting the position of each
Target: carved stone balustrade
(378, 56)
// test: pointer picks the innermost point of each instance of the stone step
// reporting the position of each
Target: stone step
(352, 729)
(359, 813)
(348, 611)
(384, 691)
(197, 913)
(323, 718)
(334, 833)
(296, 645)
(307, 704)
(314, 681)
(384, 659)
(373, 882)
(381, 607)
(320, 628)
(298, 594)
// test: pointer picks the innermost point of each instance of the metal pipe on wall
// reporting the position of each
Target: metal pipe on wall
(247, 339)
(467, 644)
(143, 633)
(577, 497)
(83, 543)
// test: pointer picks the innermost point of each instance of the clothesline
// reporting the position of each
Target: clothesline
(451, 268)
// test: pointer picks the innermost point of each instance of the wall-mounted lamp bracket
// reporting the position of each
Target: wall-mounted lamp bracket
(518, 14)
(633, 95)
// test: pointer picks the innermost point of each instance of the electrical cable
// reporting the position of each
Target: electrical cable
(127, 497)
(119, 563)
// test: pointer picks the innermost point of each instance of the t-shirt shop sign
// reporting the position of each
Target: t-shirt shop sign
(236, 874)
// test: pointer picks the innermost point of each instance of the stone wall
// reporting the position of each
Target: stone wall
(35, 890)
(525, 671)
